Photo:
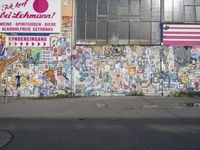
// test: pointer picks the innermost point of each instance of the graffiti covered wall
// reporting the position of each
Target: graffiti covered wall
(33, 67)
(58, 68)
(101, 70)
(124, 70)
(39, 72)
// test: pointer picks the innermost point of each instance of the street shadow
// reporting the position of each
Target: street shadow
(102, 134)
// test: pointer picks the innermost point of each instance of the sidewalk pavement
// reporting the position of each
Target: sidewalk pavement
(101, 107)
(98, 107)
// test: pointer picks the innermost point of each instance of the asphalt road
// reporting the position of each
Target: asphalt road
(139, 123)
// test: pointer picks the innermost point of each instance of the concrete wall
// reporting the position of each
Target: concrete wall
(103, 70)
(123, 70)
(99, 70)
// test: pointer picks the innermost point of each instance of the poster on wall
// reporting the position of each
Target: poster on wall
(28, 41)
(181, 34)
(66, 21)
(3, 47)
(30, 16)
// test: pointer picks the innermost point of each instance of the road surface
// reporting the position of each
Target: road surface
(101, 123)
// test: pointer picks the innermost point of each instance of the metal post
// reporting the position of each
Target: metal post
(72, 30)
(6, 88)
(162, 5)
(1, 90)
(161, 70)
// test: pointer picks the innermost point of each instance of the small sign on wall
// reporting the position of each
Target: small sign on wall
(29, 41)
(30, 16)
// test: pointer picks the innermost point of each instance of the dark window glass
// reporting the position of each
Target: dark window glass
(81, 31)
(123, 7)
(91, 10)
(155, 33)
(188, 2)
(155, 10)
(113, 35)
(113, 9)
(197, 2)
(134, 32)
(134, 8)
(145, 32)
(102, 7)
(91, 32)
(102, 32)
(81, 9)
(145, 10)
(123, 32)
(189, 14)
(168, 9)
(197, 13)
(178, 11)
(124, 21)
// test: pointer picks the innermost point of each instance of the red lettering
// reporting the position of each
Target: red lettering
(18, 4)
(5, 15)
(6, 7)
(17, 15)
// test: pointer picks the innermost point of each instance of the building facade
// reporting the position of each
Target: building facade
(110, 47)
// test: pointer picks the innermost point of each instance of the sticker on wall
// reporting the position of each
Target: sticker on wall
(3, 47)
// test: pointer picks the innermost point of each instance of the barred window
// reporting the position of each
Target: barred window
(182, 11)
(130, 21)
(118, 22)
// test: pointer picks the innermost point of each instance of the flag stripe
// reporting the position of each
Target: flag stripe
(182, 43)
(166, 35)
(181, 40)
(181, 34)
(181, 37)
(183, 28)
(183, 25)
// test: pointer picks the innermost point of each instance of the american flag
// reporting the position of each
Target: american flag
(181, 34)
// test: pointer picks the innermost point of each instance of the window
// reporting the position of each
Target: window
(189, 14)
(124, 33)
(188, 2)
(102, 32)
(91, 10)
(91, 32)
(145, 10)
(113, 35)
(178, 10)
(155, 10)
(197, 13)
(181, 11)
(118, 22)
(134, 32)
(81, 32)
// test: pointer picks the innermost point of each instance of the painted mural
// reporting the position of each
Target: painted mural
(112, 70)
(99, 70)
(35, 71)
